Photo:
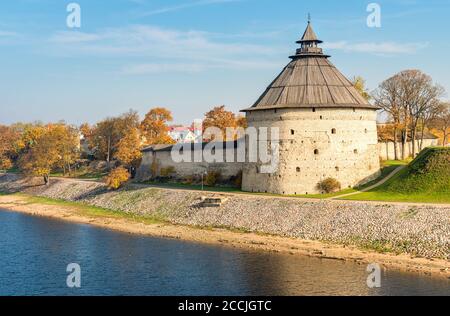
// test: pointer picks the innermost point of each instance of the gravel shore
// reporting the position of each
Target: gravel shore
(421, 231)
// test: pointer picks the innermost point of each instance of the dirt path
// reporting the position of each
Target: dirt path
(376, 185)
(268, 196)
(435, 267)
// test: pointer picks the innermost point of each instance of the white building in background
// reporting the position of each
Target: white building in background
(186, 134)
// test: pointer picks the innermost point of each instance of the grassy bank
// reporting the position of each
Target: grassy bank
(88, 210)
(425, 180)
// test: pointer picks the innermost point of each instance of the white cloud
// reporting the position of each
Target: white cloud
(162, 50)
(382, 48)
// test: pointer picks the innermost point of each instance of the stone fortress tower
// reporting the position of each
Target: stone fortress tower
(327, 129)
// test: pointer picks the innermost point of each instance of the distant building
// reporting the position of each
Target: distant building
(185, 134)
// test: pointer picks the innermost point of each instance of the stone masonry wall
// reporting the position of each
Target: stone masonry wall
(315, 145)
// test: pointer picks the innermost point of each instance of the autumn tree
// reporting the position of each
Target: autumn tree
(427, 117)
(106, 135)
(360, 85)
(409, 97)
(129, 149)
(55, 147)
(418, 94)
(8, 137)
(67, 140)
(155, 128)
(441, 122)
(29, 134)
(221, 119)
(86, 130)
(387, 97)
(40, 159)
(241, 121)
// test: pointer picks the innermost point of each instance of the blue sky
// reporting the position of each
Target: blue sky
(191, 55)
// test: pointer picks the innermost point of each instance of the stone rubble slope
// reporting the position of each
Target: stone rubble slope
(422, 231)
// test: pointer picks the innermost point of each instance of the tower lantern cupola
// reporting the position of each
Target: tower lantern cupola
(309, 44)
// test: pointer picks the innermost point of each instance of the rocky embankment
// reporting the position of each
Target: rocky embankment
(422, 231)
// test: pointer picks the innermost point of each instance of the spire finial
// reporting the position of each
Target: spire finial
(309, 17)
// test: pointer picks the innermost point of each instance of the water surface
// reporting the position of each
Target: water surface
(34, 254)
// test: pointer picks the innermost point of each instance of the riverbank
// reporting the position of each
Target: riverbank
(411, 238)
(151, 227)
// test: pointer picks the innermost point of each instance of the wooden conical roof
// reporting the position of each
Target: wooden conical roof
(309, 35)
(310, 80)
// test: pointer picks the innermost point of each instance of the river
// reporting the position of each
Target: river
(35, 252)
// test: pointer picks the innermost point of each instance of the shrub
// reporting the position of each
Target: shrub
(117, 177)
(188, 180)
(166, 172)
(212, 177)
(329, 185)
(5, 163)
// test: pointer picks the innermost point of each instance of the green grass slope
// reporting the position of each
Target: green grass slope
(426, 179)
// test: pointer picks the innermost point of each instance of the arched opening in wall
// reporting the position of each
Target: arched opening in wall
(298, 169)
(337, 169)
(366, 131)
(275, 111)
(354, 109)
(292, 132)
(355, 151)
(314, 109)
(321, 117)
(316, 151)
(333, 131)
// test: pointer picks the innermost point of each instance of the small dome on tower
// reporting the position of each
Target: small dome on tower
(310, 80)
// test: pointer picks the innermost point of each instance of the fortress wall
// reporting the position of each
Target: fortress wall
(188, 169)
(387, 152)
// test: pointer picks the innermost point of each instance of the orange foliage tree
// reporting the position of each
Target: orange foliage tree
(106, 135)
(129, 149)
(222, 119)
(8, 137)
(441, 124)
(154, 127)
(55, 147)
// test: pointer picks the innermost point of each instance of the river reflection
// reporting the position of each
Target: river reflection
(35, 253)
